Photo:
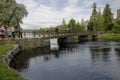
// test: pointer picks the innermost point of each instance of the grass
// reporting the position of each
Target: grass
(111, 37)
(5, 72)
(4, 49)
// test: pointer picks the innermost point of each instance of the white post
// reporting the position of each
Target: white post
(54, 44)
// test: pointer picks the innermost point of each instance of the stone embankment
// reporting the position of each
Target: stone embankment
(10, 55)
(27, 43)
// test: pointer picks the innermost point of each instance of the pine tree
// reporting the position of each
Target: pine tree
(92, 25)
(82, 22)
(63, 22)
(100, 21)
(108, 18)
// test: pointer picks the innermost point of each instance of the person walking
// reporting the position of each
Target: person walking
(13, 32)
(20, 30)
(2, 32)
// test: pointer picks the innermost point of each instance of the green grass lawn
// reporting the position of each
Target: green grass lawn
(5, 72)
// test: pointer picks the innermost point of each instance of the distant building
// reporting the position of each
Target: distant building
(118, 13)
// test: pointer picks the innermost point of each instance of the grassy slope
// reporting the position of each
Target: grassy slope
(4, 49)
(5, 72)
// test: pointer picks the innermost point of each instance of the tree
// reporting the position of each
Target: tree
(82, 22)
(19, 13)
(100, 21)
(116, 28)
(11, 13)
(108, 18)
(72, 23)
(92, 25)
(5, 7)
(78, 26)
(63, 26)
(63, 22)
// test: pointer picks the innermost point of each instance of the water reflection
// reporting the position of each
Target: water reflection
(21, 61)
(85, 61)
(118, 53)
(100, 52)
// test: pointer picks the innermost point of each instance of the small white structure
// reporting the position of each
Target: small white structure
(54, 44)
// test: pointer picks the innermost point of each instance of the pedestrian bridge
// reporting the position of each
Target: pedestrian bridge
(38, 39)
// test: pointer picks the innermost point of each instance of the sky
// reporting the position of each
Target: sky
(50, 13)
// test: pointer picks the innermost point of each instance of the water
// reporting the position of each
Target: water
(85, 61)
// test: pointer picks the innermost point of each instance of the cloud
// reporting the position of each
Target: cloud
(30, 4)
(48, 13)
(116, 3)
(72, 2)
(44, 16)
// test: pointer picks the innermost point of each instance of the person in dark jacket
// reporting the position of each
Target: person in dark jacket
(20, 30)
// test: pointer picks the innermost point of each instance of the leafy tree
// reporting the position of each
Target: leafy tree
(116, 28)
(78, 26)
(72, 23)
(108, 18)
(12, 13)
(5, 9)
(18, 15)
(63, 26)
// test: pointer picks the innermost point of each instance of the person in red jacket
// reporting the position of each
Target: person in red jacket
(2, 33)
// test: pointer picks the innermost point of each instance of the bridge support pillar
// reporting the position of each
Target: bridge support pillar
(54, 44)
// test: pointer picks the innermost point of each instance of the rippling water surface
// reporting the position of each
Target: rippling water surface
(85, 61)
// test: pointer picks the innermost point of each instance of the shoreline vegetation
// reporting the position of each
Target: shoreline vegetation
(110, 37)
(7, 73)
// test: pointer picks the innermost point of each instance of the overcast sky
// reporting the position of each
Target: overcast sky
(47, 13)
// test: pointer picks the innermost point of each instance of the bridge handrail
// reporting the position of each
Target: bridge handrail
(52, 33)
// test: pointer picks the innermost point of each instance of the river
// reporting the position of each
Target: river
(84, 61)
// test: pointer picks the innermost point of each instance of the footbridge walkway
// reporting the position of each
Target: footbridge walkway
(36, 39)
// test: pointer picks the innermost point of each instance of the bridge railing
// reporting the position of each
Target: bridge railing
(52, 33)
